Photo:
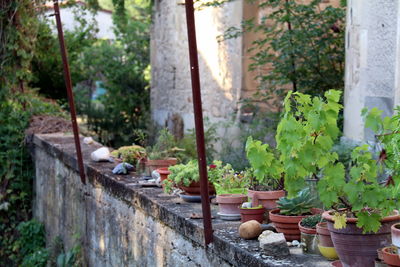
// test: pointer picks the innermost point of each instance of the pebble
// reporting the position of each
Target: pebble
(88, 140)
(101, 154)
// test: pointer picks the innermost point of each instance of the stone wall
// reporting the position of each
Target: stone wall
(372, 62)
(121, 223)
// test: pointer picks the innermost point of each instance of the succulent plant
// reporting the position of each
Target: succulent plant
(299, 205)
(311, 221)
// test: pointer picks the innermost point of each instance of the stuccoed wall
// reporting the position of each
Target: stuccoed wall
(372, 62)
(219, 62)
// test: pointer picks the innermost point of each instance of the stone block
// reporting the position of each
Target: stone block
(273, 244)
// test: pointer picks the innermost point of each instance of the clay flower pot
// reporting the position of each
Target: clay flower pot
(194, 188)
(164, 172)
(390, 256)
(325, 244)
(356, 249)
(153, 164)
(288, 225)
(229, 204)
(308, 237)
(395, 230)
(266, 198)
(248, 214)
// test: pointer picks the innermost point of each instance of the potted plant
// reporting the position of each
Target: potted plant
(163, 153)
(252, 213)
(186, 177)
(290, 212)
(395, 230)
(308, 233)
(231, 190)
(390, 256)
(325, 243)
(130, 154)
(266, 174)
(362, 209)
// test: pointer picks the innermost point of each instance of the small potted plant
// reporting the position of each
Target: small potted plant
(390, 256)
(186, 177)
(325, 243)
(231, 190)
(163, 153)
(248, 213)
(308, 232)
(290, 212)
(266, 182)
(130, 154)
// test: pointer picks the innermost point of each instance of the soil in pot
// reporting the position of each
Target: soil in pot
(288, 225)
(356, 249)
(390, 256)
(230, 203)
(248, 214)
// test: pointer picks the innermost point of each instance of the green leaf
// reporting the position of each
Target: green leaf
(369, 222)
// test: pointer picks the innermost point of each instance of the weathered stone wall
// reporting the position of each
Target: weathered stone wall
(372, 62)
(123, 224)
(219, 62)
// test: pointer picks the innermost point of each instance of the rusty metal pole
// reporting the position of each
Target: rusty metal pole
(198, 119)
(68, 85)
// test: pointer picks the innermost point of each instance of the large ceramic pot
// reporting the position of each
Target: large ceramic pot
(229, 204)
(266, 198)
(356, 249)
(288, 225)
(194, 188)
(153, 164)
(252, 214)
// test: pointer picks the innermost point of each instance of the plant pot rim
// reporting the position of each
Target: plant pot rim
(306, 230)
(394, 228)
(327, 216)
(231, 198)
(275, 212)
(163, 170)
(270, 194)
(260, 208)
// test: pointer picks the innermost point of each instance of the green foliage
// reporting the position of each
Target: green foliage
(122, 68)
(130, 154)
(31, 244)
(303, 44)
(305, 137)
(185, 174)
(265, 167)
(164, 147)
(231, 182)
(299, 205)
(71, 258)
(311, 221)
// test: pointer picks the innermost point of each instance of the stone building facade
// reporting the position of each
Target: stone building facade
(224, 75)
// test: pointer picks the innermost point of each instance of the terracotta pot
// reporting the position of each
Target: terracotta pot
(252, 214)
(230, 203)
(390, 256)
(324, 236)
(288, 225)
(266, 198)
(194, 188)
(395, 230)
(153, 164)
(310, 231)
(164, 172)
(356, 249)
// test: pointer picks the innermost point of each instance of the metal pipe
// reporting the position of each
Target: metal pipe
(68, 85)
(198, 119)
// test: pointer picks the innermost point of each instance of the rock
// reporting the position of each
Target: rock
(273, 244)
(250, 229)
(101, 154)
(246, 205)
(295, 243)
(88, 140)
(123, 168)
